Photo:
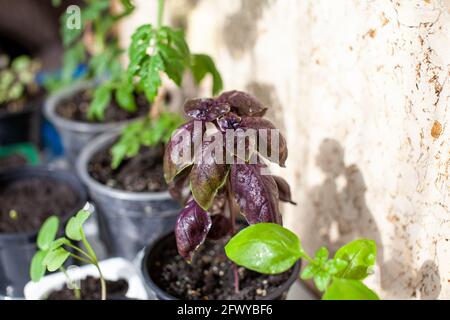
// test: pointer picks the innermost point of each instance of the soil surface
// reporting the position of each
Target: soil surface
(12, 161)
(142, 173)
(25, 204)
(210, 275)
(91, 290)
(76, 108)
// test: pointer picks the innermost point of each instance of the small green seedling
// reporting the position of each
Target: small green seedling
(269, 248)
(53, 253)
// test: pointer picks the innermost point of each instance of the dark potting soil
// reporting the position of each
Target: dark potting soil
(210, 275)
(25, 204)
(76, 108)
(142, 173)
(12, 161)
(90, 289)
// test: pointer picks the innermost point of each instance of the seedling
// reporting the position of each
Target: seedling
(53, 253)
(224, 173)
(17, 78)
(269, 248)
(155, 50)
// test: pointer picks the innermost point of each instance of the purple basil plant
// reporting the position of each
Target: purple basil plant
(202, 155)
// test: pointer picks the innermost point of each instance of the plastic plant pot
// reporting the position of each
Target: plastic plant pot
(112, 269)
(17, 249)
(76, 134)
(151, 257)
(127, 221)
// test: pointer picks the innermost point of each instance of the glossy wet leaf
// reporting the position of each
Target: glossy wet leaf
(55, 259)
(37, 267)
(74, 226)
(191, 229)
(349, 289)
(243, 103)
(47, 233)
(256, 194)
(264, 247)
(268, 134)
(205, 109)
(360, 255)
(284, 190)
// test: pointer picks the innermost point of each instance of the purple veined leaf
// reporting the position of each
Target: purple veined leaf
(284, 190)
(178, 187)
(256, 193)
(271, 143)
(209, 172)
(230, 121)
(181, 148)
(220, 227)
(191, 229)
(243, 104)
(205, 109)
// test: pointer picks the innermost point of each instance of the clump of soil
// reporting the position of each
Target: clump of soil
(76, 108)
(25, 204)
(209, 276)
(90, 289)
(12, 161)
(141, 173)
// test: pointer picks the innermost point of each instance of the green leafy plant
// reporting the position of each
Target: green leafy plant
(53, 252)
(155, 50)
(269, 248)
(17, 78)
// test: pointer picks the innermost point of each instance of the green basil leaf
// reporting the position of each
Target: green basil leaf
(37, 267)
(55, 259)
(360, 255)
(265, 247)
(47, 233)
(74, 226)
(348, 289)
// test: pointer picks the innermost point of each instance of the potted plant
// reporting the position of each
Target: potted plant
(81, 110)
(20, 99)
(123, 171)
(114, 279)
(28, 196)
(271, 249)
(219, 154)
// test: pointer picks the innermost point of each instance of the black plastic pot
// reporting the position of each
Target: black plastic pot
(151, 257)
(22, 126)
(17, 249)
(127, 221)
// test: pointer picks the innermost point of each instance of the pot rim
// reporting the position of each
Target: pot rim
(159, 292)
(42, 171)
(93, 185)
(77, 126)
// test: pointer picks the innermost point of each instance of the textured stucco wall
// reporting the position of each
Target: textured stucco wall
(361, 91)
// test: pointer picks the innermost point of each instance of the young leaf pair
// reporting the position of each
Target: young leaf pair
(211, 177)
(269, 248)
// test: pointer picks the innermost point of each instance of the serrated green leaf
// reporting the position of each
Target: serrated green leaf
(74, 226)
(349, 289)
(47, 233)
(37, 267)
(55, 259)
(101, 99)
(202, 65)
(264, 247)
(321, 280)
(308, 272)
(125, 97)
(150, 77)
(321, 255)
(360, 255)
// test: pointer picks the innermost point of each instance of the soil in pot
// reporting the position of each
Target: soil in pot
(12, 161)
(210, 275)
(25, 204)
(142, 173)
(90, 289)
(76, 108)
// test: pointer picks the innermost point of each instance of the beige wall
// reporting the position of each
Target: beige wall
(361, 91)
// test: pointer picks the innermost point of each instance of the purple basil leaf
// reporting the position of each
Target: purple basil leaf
(178, 186)
(220, 227)
(263, 124)
(192, 226)
(208, 175)
(205, 109)
(229, 121)
(183, 139)
(256, 194)
(243, 103)
(284, 190)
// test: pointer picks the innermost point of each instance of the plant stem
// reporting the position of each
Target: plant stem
(81, 259)
(160, 13)
(76, 290)
(233, 231)
(102, 281)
